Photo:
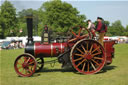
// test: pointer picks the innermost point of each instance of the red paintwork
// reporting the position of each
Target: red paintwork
(109, 50)
(49, 50)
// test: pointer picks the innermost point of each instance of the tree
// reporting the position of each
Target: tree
(60, 16)
(0, 25)
(116, 29)
(8, 19)
(22, 21)
(126, 31)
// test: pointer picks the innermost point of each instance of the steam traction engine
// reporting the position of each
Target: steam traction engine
(84, 54)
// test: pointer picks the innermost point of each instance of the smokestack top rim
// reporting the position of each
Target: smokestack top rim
(29, 15)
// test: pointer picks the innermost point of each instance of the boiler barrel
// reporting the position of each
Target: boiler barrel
(49, 50)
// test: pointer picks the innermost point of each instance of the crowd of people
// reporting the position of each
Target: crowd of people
(12, 45)
(15, 45)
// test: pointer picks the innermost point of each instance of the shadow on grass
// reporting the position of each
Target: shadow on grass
(46, 70)
(106, 68)
(58, 70)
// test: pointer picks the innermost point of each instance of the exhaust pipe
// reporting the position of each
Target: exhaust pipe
(29, 48)
(29, 19)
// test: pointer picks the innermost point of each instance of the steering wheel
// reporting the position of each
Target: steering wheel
(78, 36)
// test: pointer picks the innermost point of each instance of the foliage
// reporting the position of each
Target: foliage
(60, 16)
(8, 19)
(116, 29)
(0, 25)
(126, 31)
(22, 21)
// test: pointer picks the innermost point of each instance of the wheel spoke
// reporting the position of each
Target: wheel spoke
(19, 63)
(78, 59)
(81, 62)
(95, 49)
(31, 66)
(88, 67)
(87, 45)
(80, 50)
(79, 55)
(79, 31)
(83, 48)
(95, 62)
(38, 59)
(83, 66)
(91, 48)
(28, 60)
(21, 60)
(40, 63)
(93, 66)
(22, 71)
(72, 40)
(74, 34)
(96, 54)
(31, 62)
(98, 58)
(28, 71)
(20, 67)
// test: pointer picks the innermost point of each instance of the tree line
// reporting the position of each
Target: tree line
(57, 15)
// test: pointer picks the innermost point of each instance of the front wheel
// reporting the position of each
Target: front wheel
(25, 65)
(87, 56)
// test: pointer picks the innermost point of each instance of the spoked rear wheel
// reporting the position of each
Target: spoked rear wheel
(25, 65)
(88, 56)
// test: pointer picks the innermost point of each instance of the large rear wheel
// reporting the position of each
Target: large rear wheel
(88, 56)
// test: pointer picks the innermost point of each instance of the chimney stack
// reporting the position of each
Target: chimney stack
(29, 19)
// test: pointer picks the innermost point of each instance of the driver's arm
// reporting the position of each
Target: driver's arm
(89, 25)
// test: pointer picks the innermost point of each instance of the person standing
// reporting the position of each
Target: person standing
(102, 29)
(91, 27)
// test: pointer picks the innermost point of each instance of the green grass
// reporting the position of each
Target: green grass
(114, 74)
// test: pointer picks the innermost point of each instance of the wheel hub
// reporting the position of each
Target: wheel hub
(25, 65)
(88, 56)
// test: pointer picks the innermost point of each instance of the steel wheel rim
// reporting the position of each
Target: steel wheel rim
(25, 65)
(91, 63)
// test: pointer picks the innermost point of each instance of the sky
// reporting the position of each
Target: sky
(110, 10)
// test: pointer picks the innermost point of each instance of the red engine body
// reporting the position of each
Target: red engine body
(47, 50)
(109, 50)
(54, 49)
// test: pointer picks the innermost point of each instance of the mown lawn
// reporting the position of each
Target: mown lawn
(114, 74)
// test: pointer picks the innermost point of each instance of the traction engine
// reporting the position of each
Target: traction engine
(81, 52)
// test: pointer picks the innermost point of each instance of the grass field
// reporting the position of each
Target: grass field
(114, 74)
